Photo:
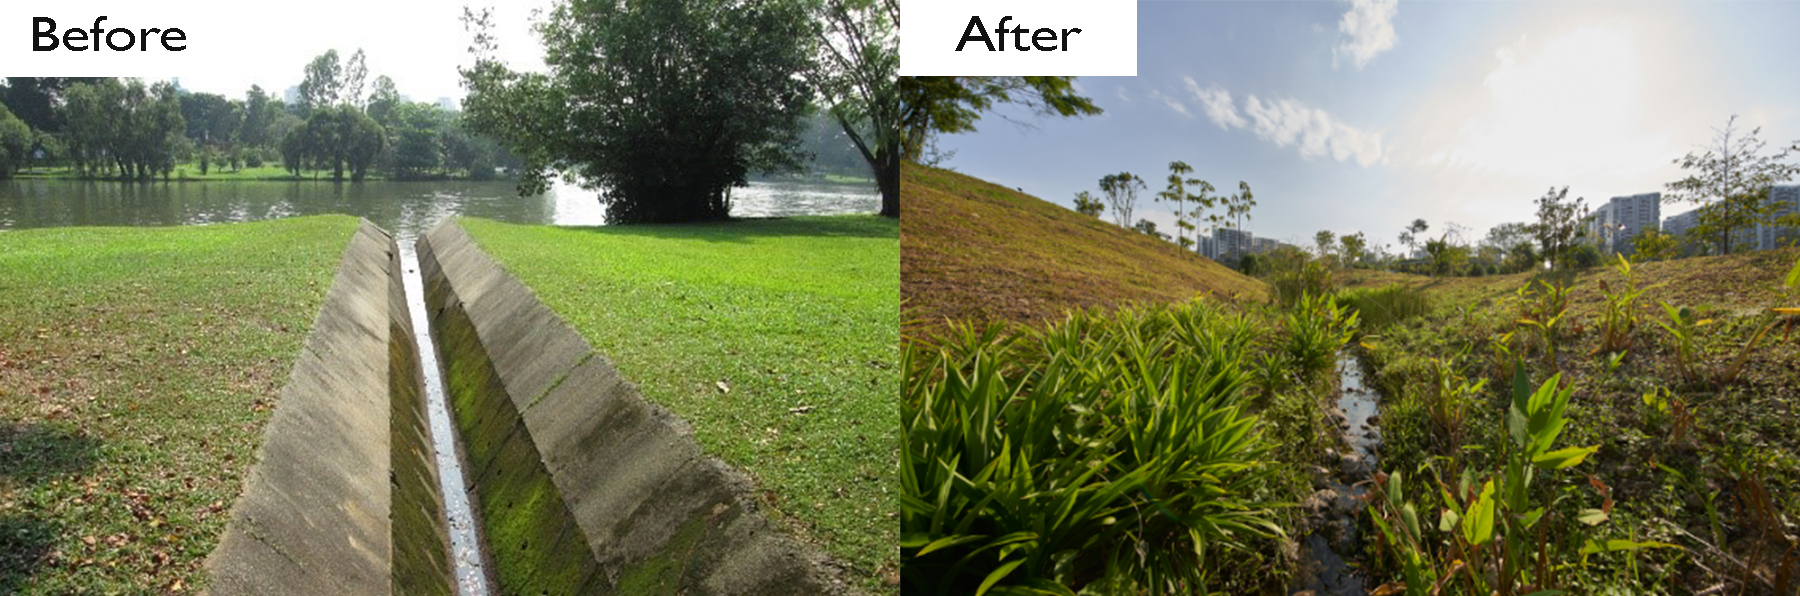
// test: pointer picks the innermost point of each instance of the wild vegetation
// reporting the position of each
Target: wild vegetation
(1618, 429)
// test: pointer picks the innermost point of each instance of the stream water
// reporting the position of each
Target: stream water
(1323, 568)
(467, 560)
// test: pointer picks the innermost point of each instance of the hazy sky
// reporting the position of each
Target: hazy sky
(1362, 116)
(418, 43)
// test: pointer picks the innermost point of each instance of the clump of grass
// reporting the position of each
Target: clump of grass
(1110, 452)
(1381, 307)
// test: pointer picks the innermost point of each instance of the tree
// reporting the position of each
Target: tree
(856, 73)
(340, 138)
(665, 106)
(15, 143)
(125, 128)
(1238, 206)
(1121, 192)
(1086, 204)
(1177, 193)
(1149, 229)
(1447, 257)
(1410, 235)
(384, 101)
(1353, 248)
(356, 75)
(1325, 241)
(1731, 183)
(322, 85)
(1653, 245)
(259, 115)
(1559, 226)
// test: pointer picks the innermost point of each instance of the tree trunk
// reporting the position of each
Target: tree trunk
(887, 177)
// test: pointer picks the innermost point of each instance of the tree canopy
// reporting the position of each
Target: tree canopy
(663, 106)
(1731, 183)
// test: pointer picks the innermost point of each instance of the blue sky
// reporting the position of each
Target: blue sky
(1360, 116)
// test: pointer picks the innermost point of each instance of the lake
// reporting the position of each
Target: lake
(406, 208)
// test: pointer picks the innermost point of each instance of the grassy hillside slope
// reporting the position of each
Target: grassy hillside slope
(976, 250)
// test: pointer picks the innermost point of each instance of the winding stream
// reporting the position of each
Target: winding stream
(1338, 497)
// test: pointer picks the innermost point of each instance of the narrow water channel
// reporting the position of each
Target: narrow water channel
(465, 538)
(1324, 569)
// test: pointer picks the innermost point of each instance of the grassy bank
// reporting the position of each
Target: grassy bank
(776, 339)
(137, 367)
(973, 250)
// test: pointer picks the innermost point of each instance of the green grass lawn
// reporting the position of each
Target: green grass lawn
(778, 340)
(137, 367)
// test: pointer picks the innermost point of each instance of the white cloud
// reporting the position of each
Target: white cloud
(1122, 96)
(1368, 29)
(1289, 122)
(1171, 102)
(1217, 102)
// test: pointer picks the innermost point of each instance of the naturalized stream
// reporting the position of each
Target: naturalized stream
(1334, 506)
(465, 538)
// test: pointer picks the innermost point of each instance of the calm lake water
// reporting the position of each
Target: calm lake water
(406, 208)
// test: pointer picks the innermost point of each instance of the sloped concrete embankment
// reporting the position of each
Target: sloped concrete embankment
(344, 496)
(583, 486)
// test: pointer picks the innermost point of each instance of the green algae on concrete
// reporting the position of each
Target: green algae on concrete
(138, 367)
(625, 480)
(775, 340)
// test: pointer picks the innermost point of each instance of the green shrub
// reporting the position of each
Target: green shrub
(1317, 328)
(1109, 451)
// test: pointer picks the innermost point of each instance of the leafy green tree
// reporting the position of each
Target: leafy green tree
(1653, 245)
(356, 76)
(1353, 248)
(664, 105)
(259, 116)
(384, 102)
(1177, 192)
(1326, 242)
(323, 84)
(211, 118)
(1731, 183)
(15, 143)
(1559, 228)
(341, 138)
(855, 73)
(125, 128)
(1086, 204)
(1237, 206)
(1410, 235)
(1121, 191)
(1447, 258)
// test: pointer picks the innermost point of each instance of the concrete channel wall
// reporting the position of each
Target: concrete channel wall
(583, 487)
(344, 496)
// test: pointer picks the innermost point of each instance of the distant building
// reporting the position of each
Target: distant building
(1232, 242)
(1678, 225)
(1263, 246)
(1614, 224)
(1770, 237)
(1206, 247)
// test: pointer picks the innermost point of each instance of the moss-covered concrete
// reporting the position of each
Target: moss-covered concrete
(343, 498)
(584, 487)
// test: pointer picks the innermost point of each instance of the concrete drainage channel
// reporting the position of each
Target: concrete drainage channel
(577, 485)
